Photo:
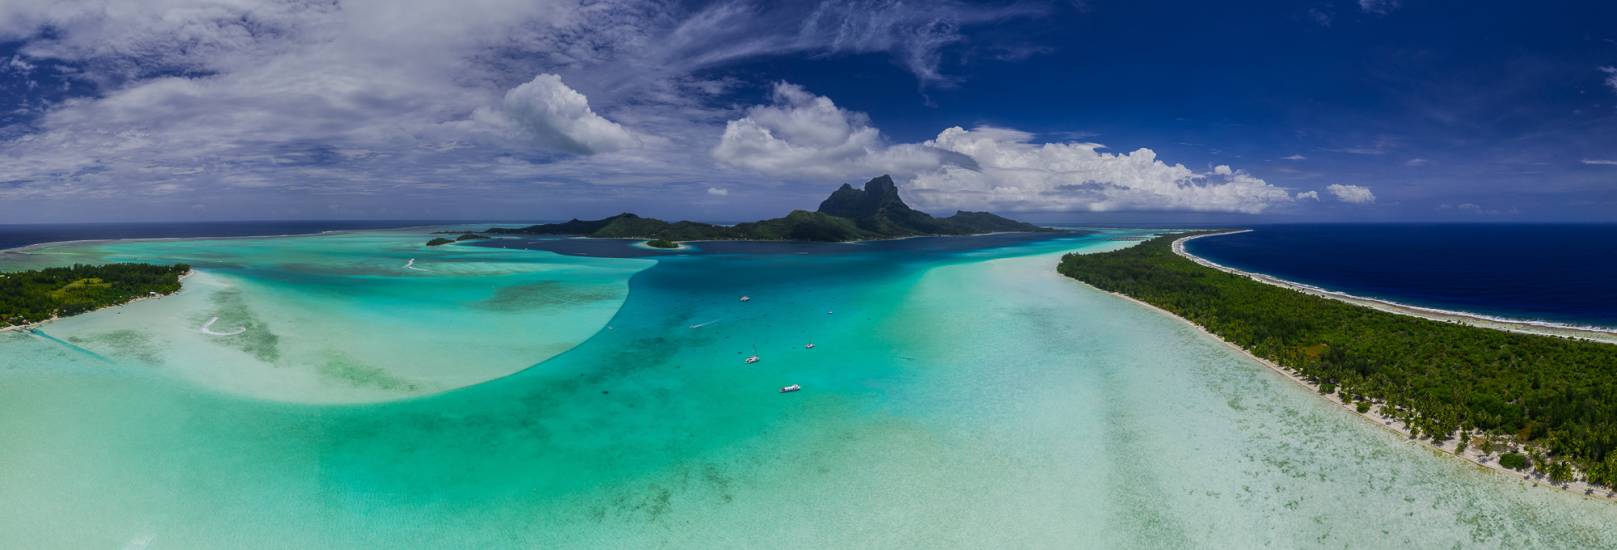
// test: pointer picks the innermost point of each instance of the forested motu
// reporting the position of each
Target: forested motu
(34, 296)
(1556, 398)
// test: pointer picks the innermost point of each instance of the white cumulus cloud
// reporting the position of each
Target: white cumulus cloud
(246, 103)
(718, 191)
(800, 134)
(1007, 170)
(1353, 194)
(1310, 195)
(558, 117)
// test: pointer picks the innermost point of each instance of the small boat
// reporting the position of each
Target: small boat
(809, 345)
(746, 298)
(791, 388)
(828, 312)
(752, 359)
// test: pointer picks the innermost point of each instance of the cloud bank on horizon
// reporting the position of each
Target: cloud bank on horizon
(305, 108)
(983, 168)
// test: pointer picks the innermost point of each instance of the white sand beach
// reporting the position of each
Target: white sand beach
(1511, 325)
(1377, 414)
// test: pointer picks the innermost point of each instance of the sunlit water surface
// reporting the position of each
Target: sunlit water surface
(960, 394)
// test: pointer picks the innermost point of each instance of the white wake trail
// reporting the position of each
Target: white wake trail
(207, 328)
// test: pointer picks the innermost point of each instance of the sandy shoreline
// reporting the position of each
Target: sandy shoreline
(1375, 414)
(1508, 325)
(37, 324)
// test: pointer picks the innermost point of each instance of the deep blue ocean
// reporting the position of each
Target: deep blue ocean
(1558, 273)
(15, 235)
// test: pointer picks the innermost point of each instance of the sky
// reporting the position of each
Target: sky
(1092, 110)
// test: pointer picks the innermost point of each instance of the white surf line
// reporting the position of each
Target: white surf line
(411, 265)
(207, 328)
(1520, 326)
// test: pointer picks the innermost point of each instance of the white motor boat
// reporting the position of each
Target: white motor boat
(791, 388)
(752, 359)
(809, 345)
(746, 298)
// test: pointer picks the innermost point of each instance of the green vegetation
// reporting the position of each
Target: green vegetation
(34, 296)
(662, 243)
(849, 214)
(1514, 461)
(440, 241)
(1554, 395)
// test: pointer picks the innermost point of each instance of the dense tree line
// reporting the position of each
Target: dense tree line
(33, 296)
(1555, 396)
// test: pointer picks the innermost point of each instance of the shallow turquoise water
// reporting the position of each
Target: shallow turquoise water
(349, 317)
(955, 398)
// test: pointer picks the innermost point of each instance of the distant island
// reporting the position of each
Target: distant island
(662, 243)
(28, 297)
(849, 214)
(1503, 399)
(440, 241)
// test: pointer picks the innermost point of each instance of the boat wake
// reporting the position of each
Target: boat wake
(207, 328)
(706, 323)
(411, 265)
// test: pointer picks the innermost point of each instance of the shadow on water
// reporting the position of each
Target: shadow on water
(69, 345)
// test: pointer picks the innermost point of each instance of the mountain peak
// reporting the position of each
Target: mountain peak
(882, 186)
(848, 214)
(855, 204)
(878, 209)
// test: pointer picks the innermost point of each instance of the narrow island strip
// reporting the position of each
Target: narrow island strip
(1524, 327)
(1541, 407)
(30, 298)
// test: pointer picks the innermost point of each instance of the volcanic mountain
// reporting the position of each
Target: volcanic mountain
(849, 214)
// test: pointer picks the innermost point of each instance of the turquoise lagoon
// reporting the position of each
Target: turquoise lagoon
(960, 393)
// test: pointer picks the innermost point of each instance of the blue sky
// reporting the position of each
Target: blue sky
(1089, 111)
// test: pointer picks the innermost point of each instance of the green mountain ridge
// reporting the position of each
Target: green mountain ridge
(849, 214)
